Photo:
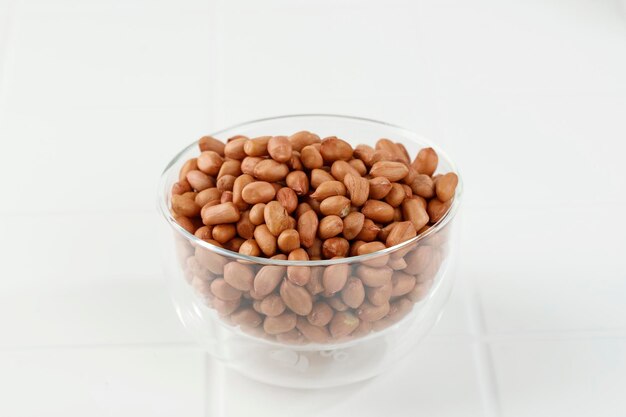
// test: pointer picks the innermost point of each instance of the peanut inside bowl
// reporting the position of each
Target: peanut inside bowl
(313, 238)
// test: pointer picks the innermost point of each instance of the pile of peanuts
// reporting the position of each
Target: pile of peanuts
(304, 198)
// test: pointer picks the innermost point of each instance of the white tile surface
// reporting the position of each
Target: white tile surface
(420, 385)
(102, 382)
(528, 97)
(562, 377)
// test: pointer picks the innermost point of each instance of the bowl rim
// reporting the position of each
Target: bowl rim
(163, 199)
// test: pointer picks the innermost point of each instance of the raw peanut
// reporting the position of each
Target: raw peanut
(379, 295)
(272, 305)
(369, 231)
(335, 246)
(413, 211)
(226, 307)
(202, 287)
(359, 166)
(296, 298)
(354, 247)
(437, 209)
(329, 189)
(365, 153)
(333, 149)
(268, 278)
(408, 192)
(319, 176)
(208, 143)
(199, 180)
(270, 170)
(353, 293)
(210, 194)
(301, 139)
(258, 192)
(245, 228)
(396, 195)
(220, 213)
(250, 248)
(370, 312)
(330, 226)
(423, 186)
(314, 286)
(190, 165)
(280, 324)
(379, 188)
(298, 181)
(234, 148)
(239, 276)
(256, 146)
(426, 161)
(401, 283)
(279, 148)
(230, 167)
(399, 309)
(420, 291)
(299, 275)
(311, 158)
(224, 232)
(340, 169)
(204, 233)
(374, 277)
(302, 208)
(292, 337)
(431, 270)
(393, 171)
(315, 334)
(320, 314)
(314, 204)
(246, 317)
(248, 164)
(401, 232)
(276, 218)
(371, 247)
(307, 228)
(210, 260)
(378, 211)
(234, 244)
(336, 303)
(384, 232)
(419, 259)
(403, 150)
(422, 201)
(446, 185)
(337, 205)
(240, 183)
(295, 163)
(288, 199)
(397, 214)
(358, 189)
(343, 323)
(181, 187)
(223, 291)
(185, 223)
(226, 182)
(210, 163)
(410, 177)
(185, 206)
(288, 240)
(265, 239)
(396, 263)
(256, 214)
(352, 224)
(364, 328)
(335, 277)
(393, 148)
(227, 197)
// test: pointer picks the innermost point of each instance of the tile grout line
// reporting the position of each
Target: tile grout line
(482, 354)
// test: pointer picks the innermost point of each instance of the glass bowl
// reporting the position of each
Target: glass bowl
(384, 334)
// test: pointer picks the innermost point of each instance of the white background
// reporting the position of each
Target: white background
(529, 98)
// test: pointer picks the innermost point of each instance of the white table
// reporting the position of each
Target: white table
(529, 97)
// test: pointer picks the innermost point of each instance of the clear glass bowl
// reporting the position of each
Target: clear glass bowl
(192, 263)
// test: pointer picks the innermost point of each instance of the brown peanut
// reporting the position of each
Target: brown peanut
(279, 148)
